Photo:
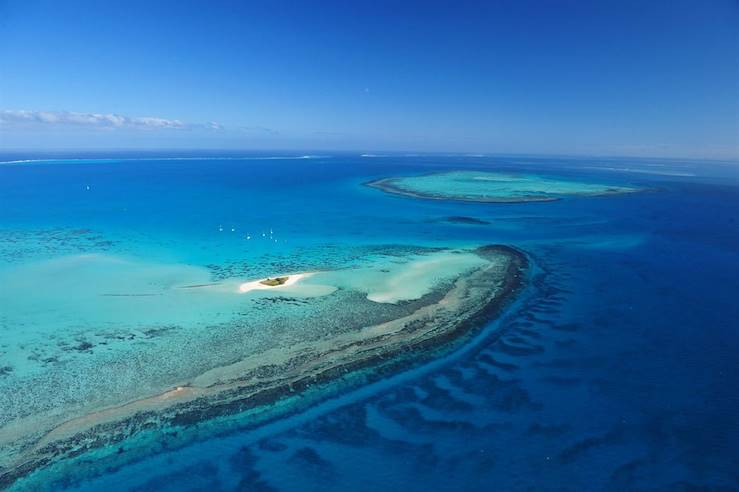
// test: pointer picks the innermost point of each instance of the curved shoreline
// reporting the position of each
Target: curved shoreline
(258, 382)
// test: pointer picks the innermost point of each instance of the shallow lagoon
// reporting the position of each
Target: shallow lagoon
(96, 341)
(79, 312)
(590, 381)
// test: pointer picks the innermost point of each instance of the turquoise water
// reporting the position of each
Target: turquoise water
(614, 370)
(504, 187)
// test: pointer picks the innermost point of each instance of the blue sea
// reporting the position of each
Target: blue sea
(615, 368)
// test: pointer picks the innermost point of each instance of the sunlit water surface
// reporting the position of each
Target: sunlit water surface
(616, 369)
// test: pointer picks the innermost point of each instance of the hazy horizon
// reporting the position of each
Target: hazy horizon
(216, 152)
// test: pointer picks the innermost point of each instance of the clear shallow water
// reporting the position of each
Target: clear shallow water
(616, 371)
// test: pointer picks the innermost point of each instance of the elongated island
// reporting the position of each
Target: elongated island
(290, 341)
(493, 187)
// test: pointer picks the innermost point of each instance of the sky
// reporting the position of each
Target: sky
(514, 77)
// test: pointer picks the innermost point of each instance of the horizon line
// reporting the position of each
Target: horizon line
(311, 152)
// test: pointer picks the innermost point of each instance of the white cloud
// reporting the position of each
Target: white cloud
(24, 118)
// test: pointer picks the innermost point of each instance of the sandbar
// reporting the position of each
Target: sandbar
(266, 385)
(267, 284)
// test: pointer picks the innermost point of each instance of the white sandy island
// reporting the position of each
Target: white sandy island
(261, 285)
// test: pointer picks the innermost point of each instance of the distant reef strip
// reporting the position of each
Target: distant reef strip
(461, 219)
(493, 187)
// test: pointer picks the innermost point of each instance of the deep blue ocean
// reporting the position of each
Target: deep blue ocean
(616, 369)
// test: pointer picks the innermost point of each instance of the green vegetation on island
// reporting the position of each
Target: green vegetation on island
(273, 282)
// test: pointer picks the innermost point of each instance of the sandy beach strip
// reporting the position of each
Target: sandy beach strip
(260, 285)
